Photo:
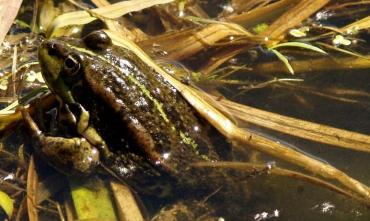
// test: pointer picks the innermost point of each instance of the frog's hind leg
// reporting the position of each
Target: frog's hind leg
(67, 155)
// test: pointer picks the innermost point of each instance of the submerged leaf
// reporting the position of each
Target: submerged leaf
(92, 199)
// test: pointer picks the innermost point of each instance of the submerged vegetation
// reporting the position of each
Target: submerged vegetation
(286, 82)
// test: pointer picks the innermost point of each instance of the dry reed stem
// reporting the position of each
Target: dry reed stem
(361, 24)
(299, 128)
(192, 41)
(218, 59)
(261, 14)
(293, 17)
(315, 65)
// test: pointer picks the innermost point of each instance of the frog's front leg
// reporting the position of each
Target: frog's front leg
(67, 155)
(87, 131)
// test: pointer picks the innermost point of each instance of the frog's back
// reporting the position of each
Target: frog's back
(157, 117)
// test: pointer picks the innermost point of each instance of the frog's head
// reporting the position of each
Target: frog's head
(63, 61)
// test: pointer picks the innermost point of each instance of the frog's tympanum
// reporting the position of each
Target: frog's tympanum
(126, 115)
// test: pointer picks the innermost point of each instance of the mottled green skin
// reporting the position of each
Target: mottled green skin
(138, 113)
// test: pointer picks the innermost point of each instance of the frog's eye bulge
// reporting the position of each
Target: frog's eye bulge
(97, 40)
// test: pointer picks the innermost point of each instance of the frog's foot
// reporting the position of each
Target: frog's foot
(188, 210)
(67, 155)
(87, 131)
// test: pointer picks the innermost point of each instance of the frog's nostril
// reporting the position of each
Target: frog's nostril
(52, 48)
(56, 49)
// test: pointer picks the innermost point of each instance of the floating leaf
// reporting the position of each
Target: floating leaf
(6, 203)
(300, 32)
(340, 40)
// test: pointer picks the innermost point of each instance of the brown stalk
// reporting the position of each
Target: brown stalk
(293, 17)
(320, 93)
(299, 128)
(32, 184)
(315, 65)
(192, 41)
(261, 14)
(218, 59)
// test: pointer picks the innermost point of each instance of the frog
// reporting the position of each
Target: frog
(124, 114)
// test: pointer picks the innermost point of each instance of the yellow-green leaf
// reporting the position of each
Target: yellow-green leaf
(6, 203)
(299, 45)
(91, 199)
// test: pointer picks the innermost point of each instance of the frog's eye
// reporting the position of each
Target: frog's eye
(97, 40)
(71, 64)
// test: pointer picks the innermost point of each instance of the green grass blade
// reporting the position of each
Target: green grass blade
(299, 45)
(284, 60)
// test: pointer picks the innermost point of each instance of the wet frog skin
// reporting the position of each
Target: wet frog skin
(139, 122)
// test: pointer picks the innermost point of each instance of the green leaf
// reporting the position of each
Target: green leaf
(299, 45)
(6, 203)
(284, 60)
(258, 29)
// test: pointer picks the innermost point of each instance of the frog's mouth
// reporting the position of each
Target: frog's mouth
(51, 66)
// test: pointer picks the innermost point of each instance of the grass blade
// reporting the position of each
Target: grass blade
(299, 45)
(284, 60)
